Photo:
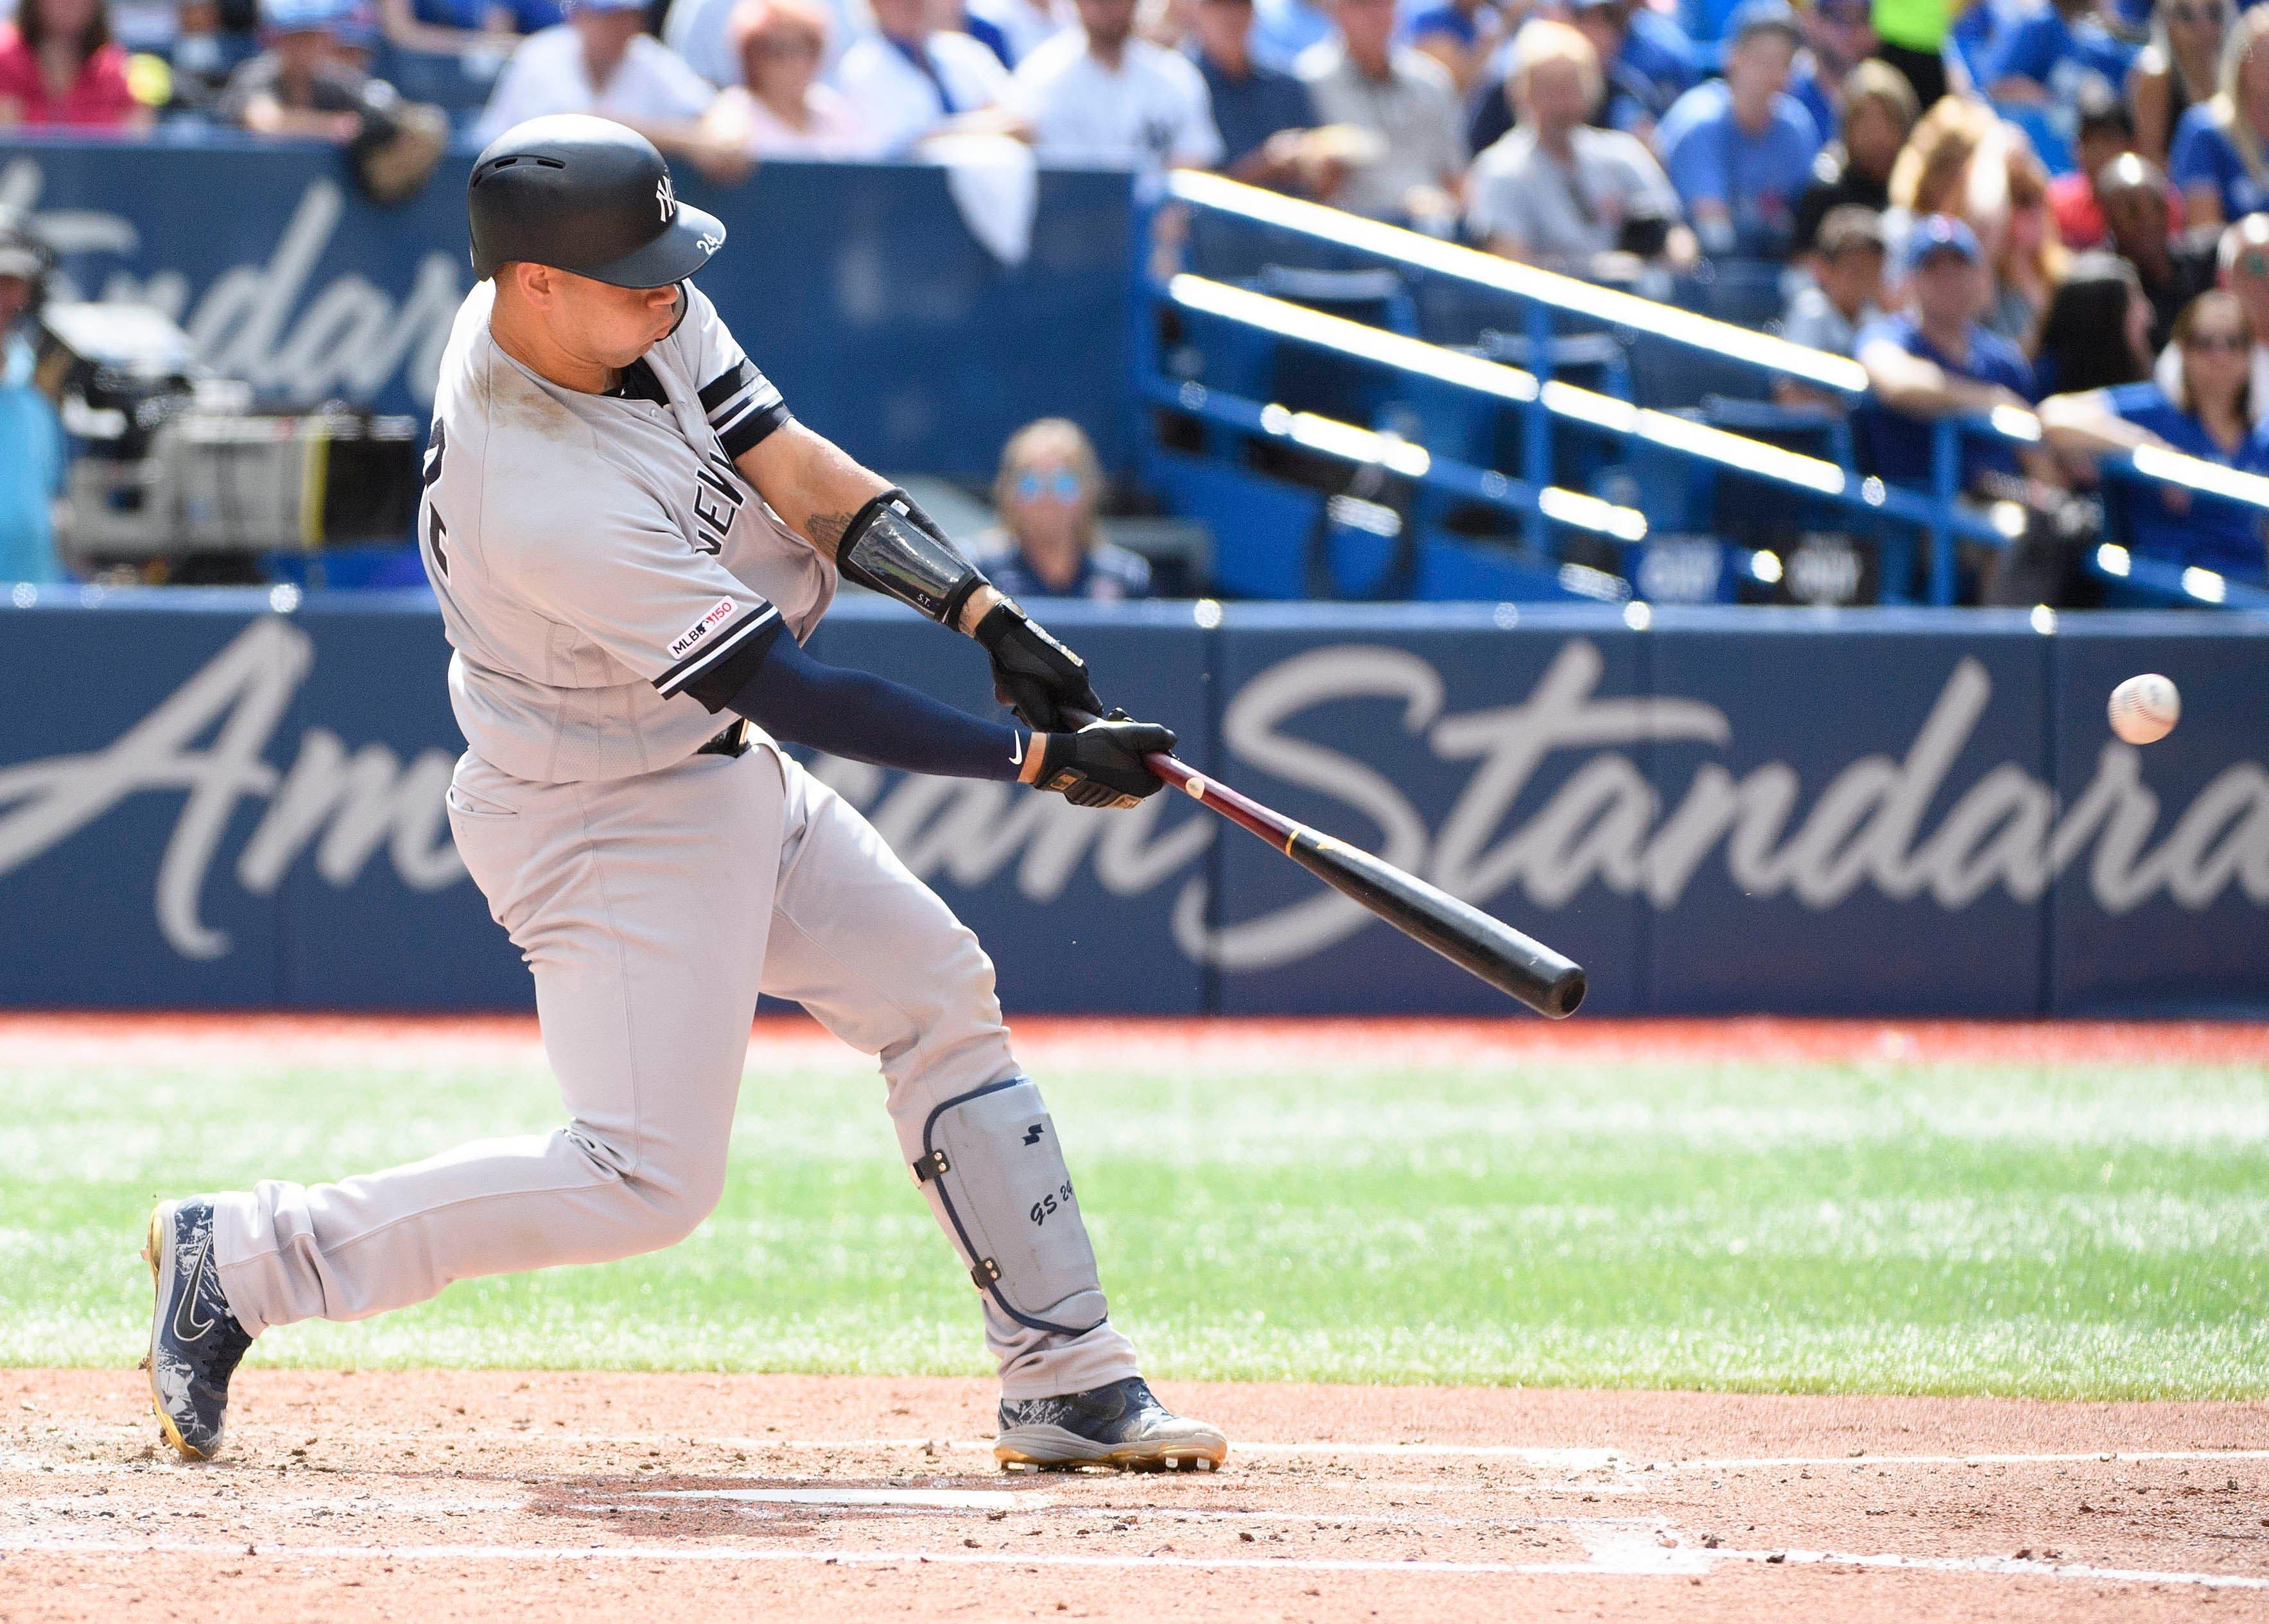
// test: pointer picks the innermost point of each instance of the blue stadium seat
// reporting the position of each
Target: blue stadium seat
(1374, 296)
(1816, 430)
(1260, 526)
(441, 77)
(1745, 292)
(1309, 379)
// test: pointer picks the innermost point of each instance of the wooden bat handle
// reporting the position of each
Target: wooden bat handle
(1549, 983)
(1239, 808)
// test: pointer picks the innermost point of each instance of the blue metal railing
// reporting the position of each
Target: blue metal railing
(1942, 519)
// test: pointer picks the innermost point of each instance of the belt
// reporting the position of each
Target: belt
(734, 741)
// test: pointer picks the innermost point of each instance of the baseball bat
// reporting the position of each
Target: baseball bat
(1549, 983)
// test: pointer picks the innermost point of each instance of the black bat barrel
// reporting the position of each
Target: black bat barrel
(1547, 982)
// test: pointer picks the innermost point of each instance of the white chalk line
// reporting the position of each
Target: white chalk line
(233, 1508)
(915, 1499)
(1555, 1459)
(2100, 1457)
(2022, 1567)
(1039, 1505)
(1591, 1460)
(764, 1501)
(1620, 1561)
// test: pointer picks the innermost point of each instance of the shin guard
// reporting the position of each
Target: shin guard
(992, 1156)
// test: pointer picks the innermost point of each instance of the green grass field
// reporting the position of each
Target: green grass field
(1329, 1212)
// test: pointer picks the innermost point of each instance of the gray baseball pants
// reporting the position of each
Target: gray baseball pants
(652, 910)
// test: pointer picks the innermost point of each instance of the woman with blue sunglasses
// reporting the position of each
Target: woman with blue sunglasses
(1046, 547)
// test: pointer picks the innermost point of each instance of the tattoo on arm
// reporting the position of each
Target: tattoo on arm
(827, 529)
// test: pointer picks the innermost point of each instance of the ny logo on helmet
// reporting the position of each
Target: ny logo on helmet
(665, 199)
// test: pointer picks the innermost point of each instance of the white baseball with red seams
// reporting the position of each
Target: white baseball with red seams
(2146, 708)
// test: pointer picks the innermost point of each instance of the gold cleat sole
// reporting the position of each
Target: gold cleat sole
(1067, 1453)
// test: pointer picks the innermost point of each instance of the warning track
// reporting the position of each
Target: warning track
(446, 1494)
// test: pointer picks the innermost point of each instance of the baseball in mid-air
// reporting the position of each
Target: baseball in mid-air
(2145, 709)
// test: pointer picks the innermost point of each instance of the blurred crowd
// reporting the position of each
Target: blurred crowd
(2037, 201)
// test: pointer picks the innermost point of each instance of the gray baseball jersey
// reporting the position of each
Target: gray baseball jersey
(594, 553)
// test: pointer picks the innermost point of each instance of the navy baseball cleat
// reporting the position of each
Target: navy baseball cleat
(1122, 1424)
(195, 1341)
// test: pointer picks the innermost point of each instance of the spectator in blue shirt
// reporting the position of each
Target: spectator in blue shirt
(1971, 38)
(1263, 114)
(1048, 488)
(1837, 37)
(2178, 69)
(1460, 34)
(31, 440)
(1739, 150)
(449, 27)
(1934, 360)
(2218, 159)
(1656, 53)
(1285, 29)
(2207, 415)
(2046, 57)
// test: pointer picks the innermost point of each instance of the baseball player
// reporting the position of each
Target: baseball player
(631, 537)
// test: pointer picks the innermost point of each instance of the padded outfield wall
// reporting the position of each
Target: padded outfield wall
(207, 804)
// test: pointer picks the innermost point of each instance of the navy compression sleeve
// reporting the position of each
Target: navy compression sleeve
(867, 718)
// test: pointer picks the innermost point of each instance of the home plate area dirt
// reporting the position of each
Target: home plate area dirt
(433, 1495)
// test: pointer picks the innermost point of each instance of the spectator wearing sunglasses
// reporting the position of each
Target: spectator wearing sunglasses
(1046, 547)
(2242, 269)
(2208, 415)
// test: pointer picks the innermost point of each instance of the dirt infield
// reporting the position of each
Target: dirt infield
(443, 1495)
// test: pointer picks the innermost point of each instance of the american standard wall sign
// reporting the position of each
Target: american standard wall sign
(1883, 812)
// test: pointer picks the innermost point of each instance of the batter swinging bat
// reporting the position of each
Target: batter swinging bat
(1547, 982)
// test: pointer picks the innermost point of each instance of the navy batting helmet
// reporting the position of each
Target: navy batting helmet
(584, 194)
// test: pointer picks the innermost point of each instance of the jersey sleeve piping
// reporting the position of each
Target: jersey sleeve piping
(742, 407)
(750, 429)
(721, 389)
(674, 680)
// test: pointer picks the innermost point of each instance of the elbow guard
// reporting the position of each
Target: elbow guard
(893, 548)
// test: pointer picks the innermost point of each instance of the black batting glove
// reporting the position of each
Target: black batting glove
(1101, 764)
(1033, 675)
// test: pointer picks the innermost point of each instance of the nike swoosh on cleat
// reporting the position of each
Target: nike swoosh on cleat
(185, 1325)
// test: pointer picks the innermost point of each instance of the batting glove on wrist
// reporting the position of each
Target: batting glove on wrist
(1102, 766)
(1033, 675)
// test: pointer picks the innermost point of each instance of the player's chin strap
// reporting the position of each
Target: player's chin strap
(894, 548)
(990, 1154)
